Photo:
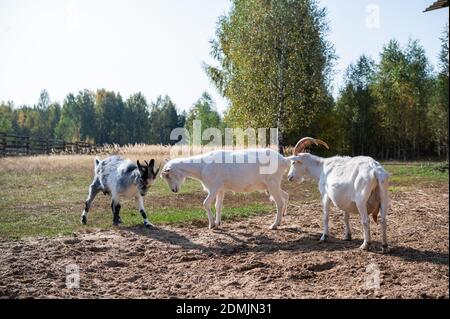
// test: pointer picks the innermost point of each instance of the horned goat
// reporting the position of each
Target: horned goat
(354, 185)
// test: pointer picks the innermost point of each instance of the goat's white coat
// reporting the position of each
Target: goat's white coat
(351, 184)
(242, 176)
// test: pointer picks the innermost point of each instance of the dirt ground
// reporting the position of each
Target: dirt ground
(244, 259)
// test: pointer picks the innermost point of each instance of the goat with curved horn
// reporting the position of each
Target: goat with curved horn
(353, 184)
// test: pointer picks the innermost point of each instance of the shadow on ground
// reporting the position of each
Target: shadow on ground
(232, 242)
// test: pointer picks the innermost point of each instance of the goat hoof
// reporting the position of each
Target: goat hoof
(364, 246)
(212, 226)
(348, 237)
(117, 222)
(384, 249)
(273, 227)
(83, 220)
(324, 238)
(148, 225)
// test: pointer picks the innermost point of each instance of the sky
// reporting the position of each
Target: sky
(157, 47)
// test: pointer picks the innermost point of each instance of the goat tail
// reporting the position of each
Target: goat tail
(382, 178)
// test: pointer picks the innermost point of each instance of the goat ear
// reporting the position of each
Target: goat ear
(152, 163)
(140, 167)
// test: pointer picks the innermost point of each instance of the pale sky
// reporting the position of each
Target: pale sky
(158, 46)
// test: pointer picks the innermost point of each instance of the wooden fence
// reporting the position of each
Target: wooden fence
(14, 145)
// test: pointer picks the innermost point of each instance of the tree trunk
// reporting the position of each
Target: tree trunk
(281, 98)
(446, 151)
(438, 149)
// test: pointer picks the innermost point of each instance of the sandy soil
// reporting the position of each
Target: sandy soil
(243, 259)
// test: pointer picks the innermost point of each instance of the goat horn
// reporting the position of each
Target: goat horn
(157, 171)
(323, 144)
(305, 142)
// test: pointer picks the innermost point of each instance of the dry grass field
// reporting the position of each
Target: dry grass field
(41, 199)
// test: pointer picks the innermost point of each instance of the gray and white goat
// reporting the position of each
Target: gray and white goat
(119, 177)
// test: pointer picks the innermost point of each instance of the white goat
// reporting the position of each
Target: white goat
(121, 177)
(242, 174)
(353, 184)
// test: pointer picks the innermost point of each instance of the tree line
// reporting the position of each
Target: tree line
(274, 65)
(397, 108)
(104, 117)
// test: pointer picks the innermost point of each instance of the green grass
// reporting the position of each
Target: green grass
(49, 203)
(407, 176)
(17, 226)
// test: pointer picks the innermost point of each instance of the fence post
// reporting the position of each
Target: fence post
(47, 146)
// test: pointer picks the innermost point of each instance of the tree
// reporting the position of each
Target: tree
(182, 119)
(85, 106)
(6, 117)
(356, 109)
(439, 105)
(273, 65)
(110, 115)
(137, 120)
(163, 119)
(44, 100)
(169, 121)
(420, 81)
(402, 89)
(204, 110)
(54, 115)
(68, 127)
(39, 117)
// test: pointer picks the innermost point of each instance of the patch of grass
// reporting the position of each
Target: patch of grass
(180, 216)
(396, 189)
(44, 203)
(47, 225)
(15, 225)
(405, 176)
